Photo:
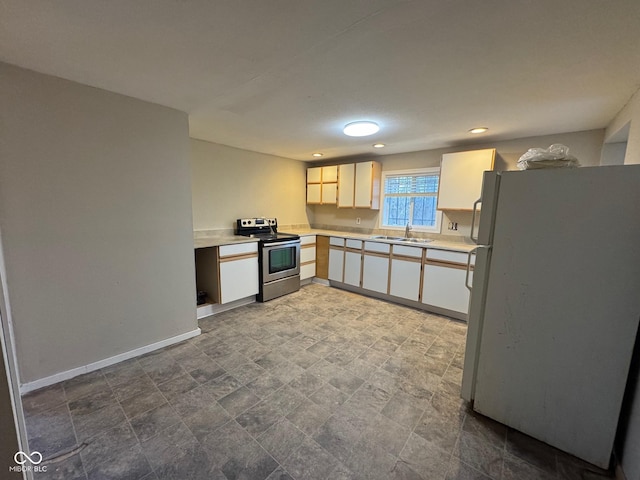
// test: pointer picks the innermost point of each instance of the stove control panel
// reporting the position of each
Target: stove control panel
(257, 222)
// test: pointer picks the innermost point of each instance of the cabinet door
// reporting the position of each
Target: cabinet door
(352, 268)
(329, 193)
(405, 279)
(346, 185)
(444, 287)
(336, 263)
(375, 273)
(314, 174)
(461, 178)
(330, 174)
(314, 193)
(238, 279)
(363, 185)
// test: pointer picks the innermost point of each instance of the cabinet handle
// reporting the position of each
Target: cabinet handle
(466, 277)
(473, 220)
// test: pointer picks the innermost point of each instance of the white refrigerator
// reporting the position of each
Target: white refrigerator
(555, 304)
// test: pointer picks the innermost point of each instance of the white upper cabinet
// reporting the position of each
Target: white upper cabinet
(322, 185)
(461, 178)
(359, 185)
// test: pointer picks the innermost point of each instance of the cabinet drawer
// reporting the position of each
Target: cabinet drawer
(308, 240)
(351, 243)
(336, 241)
(307, 271)
(377, 247)
(407, 251)
(238, 249)
(307, 254)
(448, 256)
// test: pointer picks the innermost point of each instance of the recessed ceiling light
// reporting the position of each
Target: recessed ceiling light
(478, 130)
(378, 145)
(360, 129)
(316, 154)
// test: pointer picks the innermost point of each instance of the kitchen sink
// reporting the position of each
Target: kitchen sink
(402, 239)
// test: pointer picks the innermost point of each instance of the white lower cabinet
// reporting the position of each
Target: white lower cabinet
(307, 257)
(405, 279)
(375, 273)
(444, 287)
(238, 279)
(336, 258)
(352, 268)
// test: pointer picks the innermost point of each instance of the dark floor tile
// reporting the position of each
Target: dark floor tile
(402, 409)
(387, 434)
(222, 386)
(264, 385)
(177, 386)
(338, 437)
(329, 397)
(281, 439)
(247, 372)
(68, 469)
(141, 385)
(308, 417)
(479, 454)
(163, 369)
(372, 395)
(43, 399)
(143, 402)
(259, 418)
(458, 470)
(279, 474)
(439, 428)
(374, 357)
(425, 458)
(532, 451)
(92, 423)
(346, 382)
(310, 461)
(286, 371)
(131, 465)
(207, 420)
(108, 446)
(87, 384)
(515, 468)
(286, 399)
(306, 383)
(149, 424)
(93, 402)
(483, 427)
(250, 461)
(123, 373)
(207, 372)
(51, 431)
(572, 468)
(238, 401)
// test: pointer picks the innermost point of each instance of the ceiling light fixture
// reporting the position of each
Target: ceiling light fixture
(316, 154)
(360, 129)
(478, 130)
(378, 145)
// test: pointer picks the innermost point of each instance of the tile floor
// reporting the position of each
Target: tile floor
(320, 384)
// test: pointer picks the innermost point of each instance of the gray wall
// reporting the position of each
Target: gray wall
(95, 214)
(586, 146)
(230, 183)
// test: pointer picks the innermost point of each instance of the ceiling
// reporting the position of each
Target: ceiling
(284, 76)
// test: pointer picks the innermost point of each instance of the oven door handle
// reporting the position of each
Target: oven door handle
(281, 244)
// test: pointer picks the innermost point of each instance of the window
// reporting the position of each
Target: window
(410, 196)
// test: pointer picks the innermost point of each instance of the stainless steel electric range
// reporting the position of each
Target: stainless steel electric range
(279, 256)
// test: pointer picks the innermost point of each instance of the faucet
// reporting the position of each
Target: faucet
(407, 230)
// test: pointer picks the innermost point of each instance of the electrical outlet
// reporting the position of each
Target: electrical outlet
(358, 220)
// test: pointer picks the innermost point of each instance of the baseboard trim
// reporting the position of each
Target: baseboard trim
(74, 372)
(214, 308)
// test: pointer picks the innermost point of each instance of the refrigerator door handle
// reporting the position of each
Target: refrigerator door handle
(466, 278)
(473, 220)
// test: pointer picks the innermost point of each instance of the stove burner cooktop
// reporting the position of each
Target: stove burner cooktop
(266, 229)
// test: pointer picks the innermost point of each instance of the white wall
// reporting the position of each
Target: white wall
(95, 217)
(627, 121)
(586, 146)
(229, 183)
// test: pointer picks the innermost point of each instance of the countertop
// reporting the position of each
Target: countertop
(214, 241)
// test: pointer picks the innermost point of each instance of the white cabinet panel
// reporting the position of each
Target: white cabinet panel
(449, 256)
(405, 279)
(461, 178)
(238, 279)
(329, 193)
(337, 241)
(346, 181)
(375, 273)
(444, 287)
(314, 175)
(363, 185)
(407, 251)
(307, 239)
(336, 263)
(307, 271)
(352, 268)
(351, 243)
(377, 247)
(314, 193)
(330, 174)
(238, 249)
(307, 254)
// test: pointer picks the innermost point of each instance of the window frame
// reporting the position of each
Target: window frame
(410, 172)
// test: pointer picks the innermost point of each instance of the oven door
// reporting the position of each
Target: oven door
(280, 260)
